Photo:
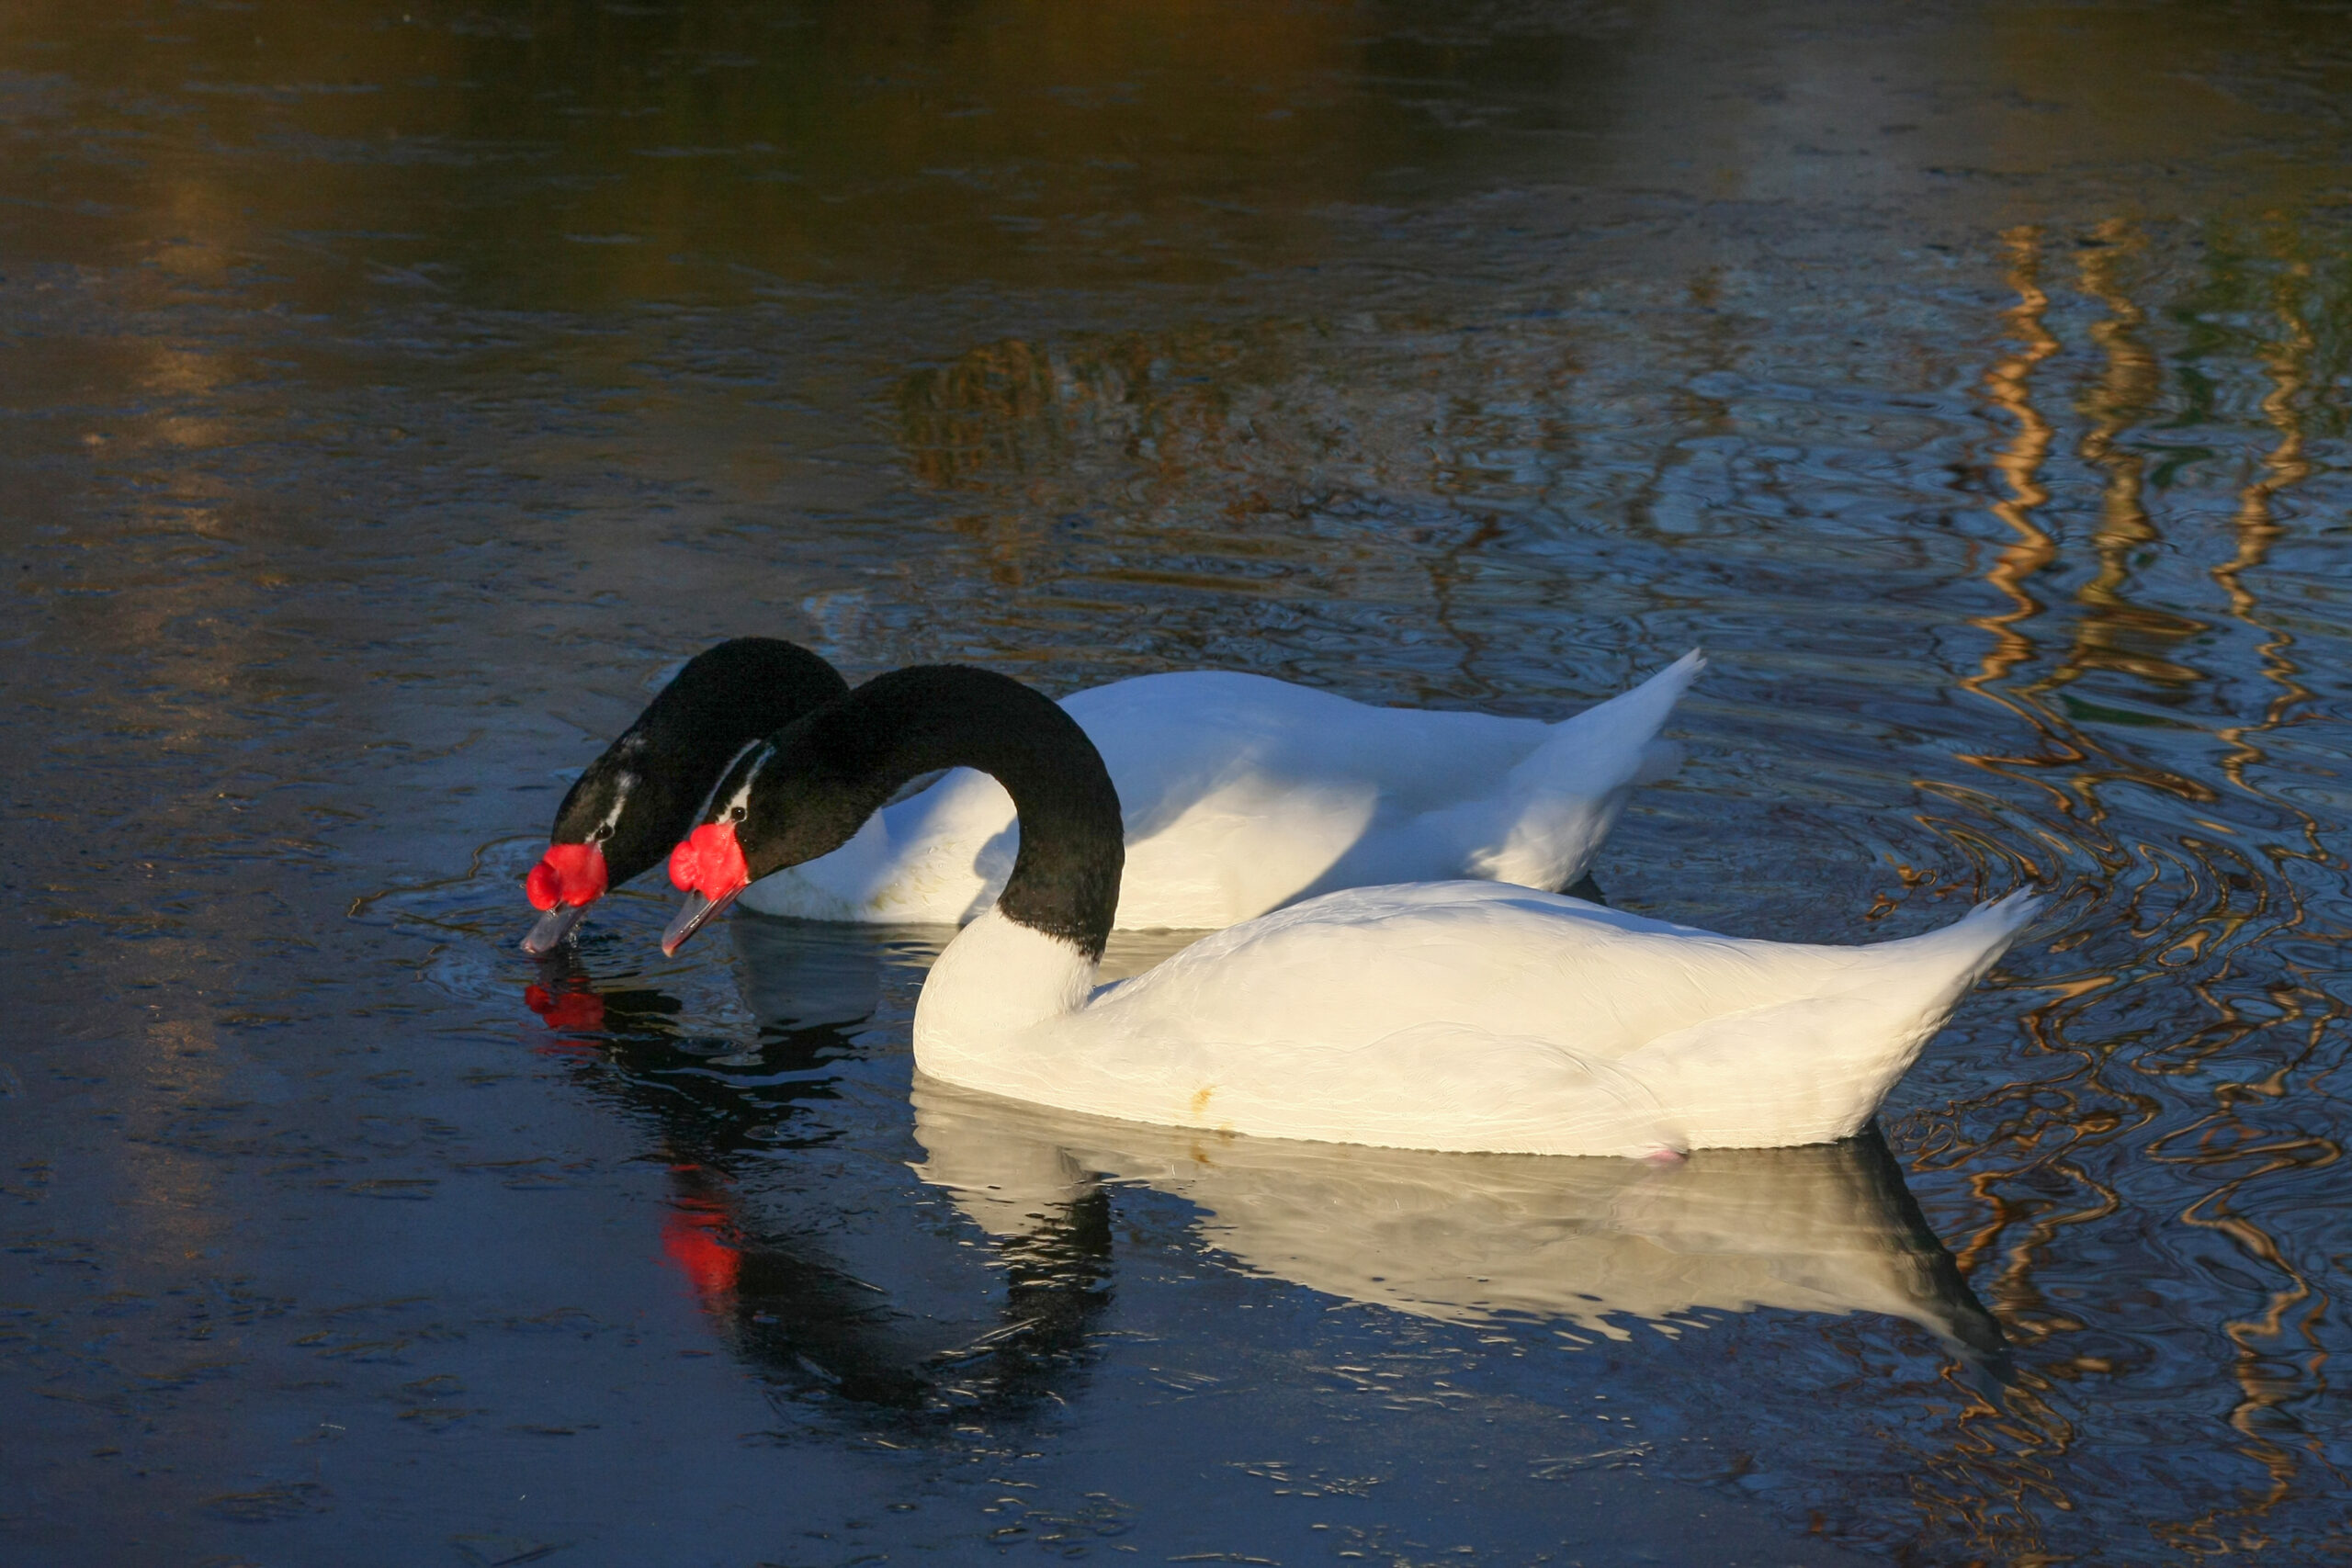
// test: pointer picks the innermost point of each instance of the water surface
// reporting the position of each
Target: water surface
(394, 393)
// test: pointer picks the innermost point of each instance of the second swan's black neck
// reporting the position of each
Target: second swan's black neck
(828, 773)
(642, 793)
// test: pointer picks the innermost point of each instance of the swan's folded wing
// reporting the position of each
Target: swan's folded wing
(1350, 967)
(1173, 740)
(1439, 1086)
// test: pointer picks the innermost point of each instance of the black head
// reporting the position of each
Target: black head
(630, 805)
(808, 790)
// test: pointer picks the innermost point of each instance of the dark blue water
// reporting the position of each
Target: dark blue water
(391, 396)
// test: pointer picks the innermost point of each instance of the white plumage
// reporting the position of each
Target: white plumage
(1464, 1016)
(1242, 794)
(1459, 1016)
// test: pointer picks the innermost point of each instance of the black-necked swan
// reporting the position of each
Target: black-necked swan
(1241, 792)
(1451, 1015)
(626, 811)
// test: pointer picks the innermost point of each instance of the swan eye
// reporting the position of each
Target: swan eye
(736, 814)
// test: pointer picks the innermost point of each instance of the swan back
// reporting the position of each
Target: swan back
(1172, 740)
(1241, 794)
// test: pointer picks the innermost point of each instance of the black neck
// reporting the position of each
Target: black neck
(835, 769)
(725, 698)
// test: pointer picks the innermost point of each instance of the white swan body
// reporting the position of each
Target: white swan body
(1241, 794)
(1466, 1016)
(1459, 1016)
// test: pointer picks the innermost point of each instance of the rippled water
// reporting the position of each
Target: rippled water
(393, 394)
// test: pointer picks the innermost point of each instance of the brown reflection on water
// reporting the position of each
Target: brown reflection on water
(2018, 463)
(2028, 1185)
(2279, 1359)
(1234, 468)
(2286, 362)
(2116, 634)
(973, 137)
(552, 154)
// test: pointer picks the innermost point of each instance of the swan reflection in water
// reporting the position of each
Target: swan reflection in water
(820, 1265)
(817, 1270)
(1468, 1237)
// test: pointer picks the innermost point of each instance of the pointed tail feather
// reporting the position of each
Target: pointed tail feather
(1815, 1068)
(1926, 976)
(1609, 746)
(1559, 803)
(1974, 942)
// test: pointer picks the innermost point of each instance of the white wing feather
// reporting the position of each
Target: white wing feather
(1243, 794)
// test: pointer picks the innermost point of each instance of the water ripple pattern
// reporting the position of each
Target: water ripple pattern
(393, 395)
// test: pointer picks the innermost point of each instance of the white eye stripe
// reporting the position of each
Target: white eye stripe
(740, 800)
(621, 786)
(702, 813)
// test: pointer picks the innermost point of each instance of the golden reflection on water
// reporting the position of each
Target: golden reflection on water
(2275, 1357)
(2117, 634)
(2019, 460)
(2285, 361)
(2278, 1362)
